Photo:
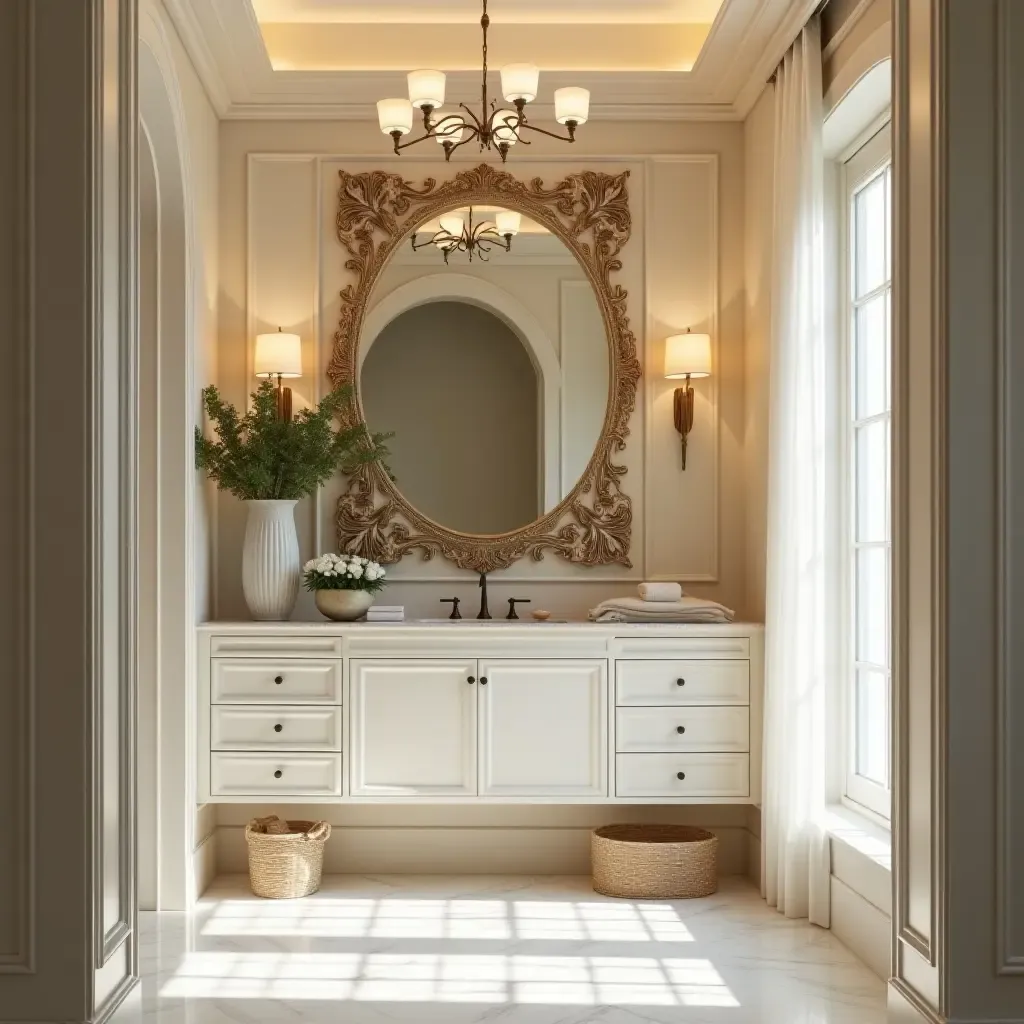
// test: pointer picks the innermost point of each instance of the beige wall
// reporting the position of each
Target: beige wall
(281, 264)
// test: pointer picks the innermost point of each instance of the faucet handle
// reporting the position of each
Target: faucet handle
(454, 602)
(512, 602)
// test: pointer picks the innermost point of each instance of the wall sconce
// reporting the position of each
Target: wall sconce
(686, 355)
(279, 355)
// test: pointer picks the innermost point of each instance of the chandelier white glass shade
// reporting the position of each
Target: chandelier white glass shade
(461, 234)
(492, 129)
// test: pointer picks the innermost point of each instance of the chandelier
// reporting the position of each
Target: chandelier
(462, 235)
(497, 129)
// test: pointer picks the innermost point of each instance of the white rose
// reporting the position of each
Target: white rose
(355, 570)
(311, 564)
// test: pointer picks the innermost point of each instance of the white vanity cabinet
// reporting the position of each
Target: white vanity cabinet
(413, 727)
(543, 728)
(486, 712)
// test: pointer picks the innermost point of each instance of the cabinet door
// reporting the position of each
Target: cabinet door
(413, 725)
(543, 728)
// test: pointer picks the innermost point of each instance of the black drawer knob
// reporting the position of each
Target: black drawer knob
(679, 729)
(680, 682)
(278, 727)
(680, 776)
(483, 680)
(279, 680)
(278, 773)
(470, 679)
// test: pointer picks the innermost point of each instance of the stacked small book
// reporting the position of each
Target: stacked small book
(386, 613)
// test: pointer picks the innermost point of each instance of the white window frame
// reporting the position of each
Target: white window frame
(859, 165)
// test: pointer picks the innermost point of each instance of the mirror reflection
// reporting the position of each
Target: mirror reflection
(484, 350)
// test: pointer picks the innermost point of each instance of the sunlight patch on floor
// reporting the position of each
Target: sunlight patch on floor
(426, 977)
(451, 919)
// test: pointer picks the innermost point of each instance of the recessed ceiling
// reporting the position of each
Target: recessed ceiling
(507, 12)
(640, 59)
(352, 35)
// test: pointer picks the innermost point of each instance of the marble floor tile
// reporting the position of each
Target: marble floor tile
(475, 950)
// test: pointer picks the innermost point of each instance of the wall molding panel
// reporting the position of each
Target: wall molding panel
(1009, 550)
(17, 710)
(282, 222)
(72, 70)
(958, 927)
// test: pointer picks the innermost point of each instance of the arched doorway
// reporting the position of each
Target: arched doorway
(166, 809)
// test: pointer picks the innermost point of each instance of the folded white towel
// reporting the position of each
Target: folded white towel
(660, 591)
(635, 609)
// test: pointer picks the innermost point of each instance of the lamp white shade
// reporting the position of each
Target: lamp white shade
(519, 82)
(507, 222)
(572, 104)
(453, 223)
(394, 115)
(278, 354)
(503, 121)
(452, 130)
(687, 355)
(426, 88)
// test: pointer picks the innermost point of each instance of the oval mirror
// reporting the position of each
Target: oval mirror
(482, 323)
(485, 352)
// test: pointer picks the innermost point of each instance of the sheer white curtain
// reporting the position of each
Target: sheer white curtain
(802, 574)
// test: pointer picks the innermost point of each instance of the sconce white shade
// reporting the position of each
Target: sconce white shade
(572, 104)
(504, 132)
(687, 355)
(519, 82)
(278, 354)
(453, 223)
(452, 130)
(507, 222)
(426, 88)
(394, 115)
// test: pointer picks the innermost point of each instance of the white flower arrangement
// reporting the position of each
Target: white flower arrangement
(343, 572)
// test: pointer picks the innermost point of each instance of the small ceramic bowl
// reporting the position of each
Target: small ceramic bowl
(540, 614)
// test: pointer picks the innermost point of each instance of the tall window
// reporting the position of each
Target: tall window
(868, 177)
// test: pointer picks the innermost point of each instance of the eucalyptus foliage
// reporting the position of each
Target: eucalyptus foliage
(259, 456)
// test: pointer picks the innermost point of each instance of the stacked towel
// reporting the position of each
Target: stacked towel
(635, 609)
(660, 591)
(385, 613)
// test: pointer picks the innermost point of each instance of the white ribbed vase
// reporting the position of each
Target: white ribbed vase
(270, 560)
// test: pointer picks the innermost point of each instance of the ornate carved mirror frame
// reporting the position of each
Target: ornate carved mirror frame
(589, 212)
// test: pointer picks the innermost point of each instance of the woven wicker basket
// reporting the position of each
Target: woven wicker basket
(286, 866)
(654, 861)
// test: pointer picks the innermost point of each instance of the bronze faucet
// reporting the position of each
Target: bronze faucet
(484, 612)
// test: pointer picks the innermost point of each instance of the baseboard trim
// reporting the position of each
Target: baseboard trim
(488, 850)
(860, 926)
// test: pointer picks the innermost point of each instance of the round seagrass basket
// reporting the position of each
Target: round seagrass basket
(286, 865)
(654, 861)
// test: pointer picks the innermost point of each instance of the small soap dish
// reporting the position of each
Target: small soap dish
(540, 614)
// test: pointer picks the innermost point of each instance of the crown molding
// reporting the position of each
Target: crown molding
(190, 32)
(745, 43)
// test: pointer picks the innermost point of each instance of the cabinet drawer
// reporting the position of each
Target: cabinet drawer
(278, 681)
(275, 774)
(256, 727)
(641, 730)
(261, 645)
(653, 683)
(704, 775)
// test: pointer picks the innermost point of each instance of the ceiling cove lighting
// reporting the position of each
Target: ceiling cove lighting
(460, 234)
(498, 129)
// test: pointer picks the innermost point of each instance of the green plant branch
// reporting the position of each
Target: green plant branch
(260, 457)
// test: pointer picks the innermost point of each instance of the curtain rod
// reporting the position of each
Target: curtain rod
(816, 13)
